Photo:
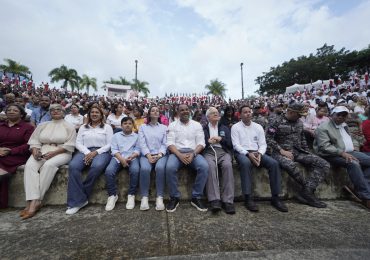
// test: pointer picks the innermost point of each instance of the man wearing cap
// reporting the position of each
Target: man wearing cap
(334, 143)
(287, 144)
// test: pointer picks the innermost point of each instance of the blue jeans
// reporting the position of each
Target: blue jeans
(359, 172)
(160, 171)
(110, 176)
(79, 191)
(245, 168)
(199, 164)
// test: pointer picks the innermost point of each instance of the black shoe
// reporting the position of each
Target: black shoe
(366, 203)
(308, 195)
(173, 204)
(198, 204)
(228, 207)
(215, 205)
(250, 204)
(279, 205)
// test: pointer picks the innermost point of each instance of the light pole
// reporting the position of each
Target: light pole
(135, 70)
(241, 71)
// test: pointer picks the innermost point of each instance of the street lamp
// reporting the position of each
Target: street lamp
(241, 71)
(135, 70)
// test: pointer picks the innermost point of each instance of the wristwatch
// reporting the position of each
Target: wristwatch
(195, 154)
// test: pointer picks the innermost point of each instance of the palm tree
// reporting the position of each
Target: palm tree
(216, 88)
(120, 81)
(87, 83)
(69, 76)
(15, 68)
(140, 86)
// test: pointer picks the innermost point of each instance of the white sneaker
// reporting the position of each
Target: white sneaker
(130, 202)
(159, 203)
(111, 202)
(144, 203)
(74, 210)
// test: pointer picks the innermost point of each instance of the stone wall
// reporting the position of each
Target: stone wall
(331, 188)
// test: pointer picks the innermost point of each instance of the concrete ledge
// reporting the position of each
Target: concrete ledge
(57, 194)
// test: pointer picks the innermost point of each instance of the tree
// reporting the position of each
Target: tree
(216, 88)
(69, 77)
(140, 86)
(87, 82)
(327, 63)
(120, 81)
(16, 68)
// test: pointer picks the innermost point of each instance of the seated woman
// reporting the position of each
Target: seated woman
(313, 122)
(229, 118)
(139, 120)
(93, 145)
(114, 119)
(52, 144)
(74, 117)
(152, 141)
(14, 150)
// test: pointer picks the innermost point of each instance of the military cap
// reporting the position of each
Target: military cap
(298, 107)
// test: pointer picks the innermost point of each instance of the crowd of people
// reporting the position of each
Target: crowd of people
(44, 128)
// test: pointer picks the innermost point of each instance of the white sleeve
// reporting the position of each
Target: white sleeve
(235, 140)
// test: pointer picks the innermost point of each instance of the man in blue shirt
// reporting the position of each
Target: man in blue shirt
(125, 150)
(41, 114)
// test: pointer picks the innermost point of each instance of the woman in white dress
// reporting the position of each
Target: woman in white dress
(52, 144)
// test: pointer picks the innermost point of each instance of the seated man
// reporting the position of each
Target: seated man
(185, 141)
(218, 153)
(334, 143)
(250, 146)
(285, 138)
(125, 150)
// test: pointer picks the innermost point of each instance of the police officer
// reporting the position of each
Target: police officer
(287, 143)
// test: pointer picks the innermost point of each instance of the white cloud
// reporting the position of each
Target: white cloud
(179, 48)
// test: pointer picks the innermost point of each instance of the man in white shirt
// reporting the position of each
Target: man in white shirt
(185, 141)
(249, 143)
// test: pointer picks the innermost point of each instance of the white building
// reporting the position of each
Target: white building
(115, 90)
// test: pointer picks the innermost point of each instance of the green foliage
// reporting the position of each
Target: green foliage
(325, 64)
(16, 68)
(120, 81)
(140, 86)
(87, 82)
(69, 77)
(216, 88)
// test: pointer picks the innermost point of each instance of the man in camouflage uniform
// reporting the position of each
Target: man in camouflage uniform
(287, 144)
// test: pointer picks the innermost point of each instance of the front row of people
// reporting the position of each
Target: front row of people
(208, 151)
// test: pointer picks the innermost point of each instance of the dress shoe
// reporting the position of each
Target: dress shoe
(279, 205)
(366, 203)
(250, 204)
(215, 205)
(229, 208)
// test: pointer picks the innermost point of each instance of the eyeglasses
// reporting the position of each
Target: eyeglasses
(56, 109)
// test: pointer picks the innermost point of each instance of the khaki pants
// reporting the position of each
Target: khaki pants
(38, 175)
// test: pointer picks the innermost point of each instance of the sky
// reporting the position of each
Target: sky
(180, 45)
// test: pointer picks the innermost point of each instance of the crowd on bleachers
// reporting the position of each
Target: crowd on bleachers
(45, 127)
